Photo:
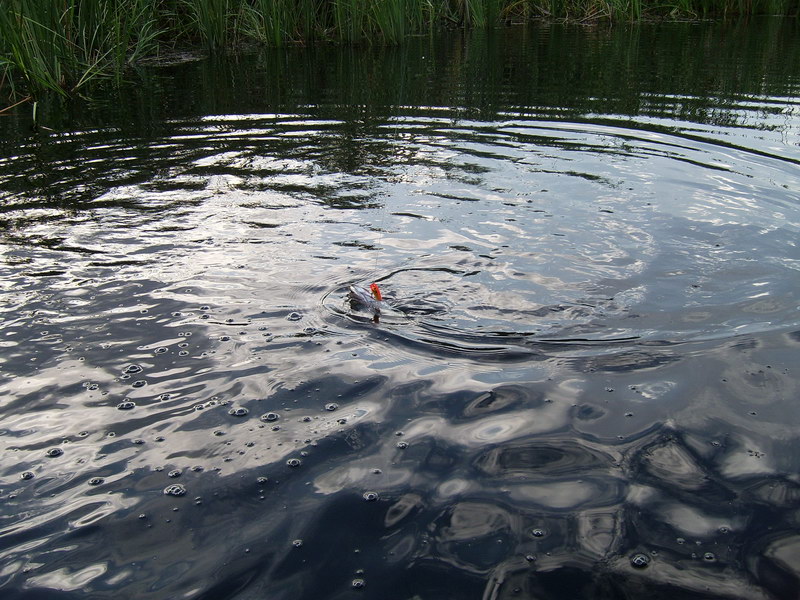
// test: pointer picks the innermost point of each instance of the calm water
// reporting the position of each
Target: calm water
(585, 385)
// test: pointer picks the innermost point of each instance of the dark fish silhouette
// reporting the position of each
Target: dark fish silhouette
(366, 299)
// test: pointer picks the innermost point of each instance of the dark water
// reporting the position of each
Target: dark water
(585, 384)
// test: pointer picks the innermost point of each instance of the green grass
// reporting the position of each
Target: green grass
(211, 20)
(61, 45)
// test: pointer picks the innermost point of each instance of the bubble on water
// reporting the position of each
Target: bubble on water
(640, 560)
(126, 405)
(709, 557)
(331, 406)
(294, 316)
(262, 480)
(175, 473)
(530, 558)
(176, 489)
(537, 532)
(270, 416)
(53, 452)
(96, 481)
(358, 583)
(238, 412)
(293, 462)
(27, 475)
(297, 543)
(371, 496)
(139, 383)
(133, 368)
(142, 516)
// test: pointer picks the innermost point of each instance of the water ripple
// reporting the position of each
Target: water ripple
(584, 357)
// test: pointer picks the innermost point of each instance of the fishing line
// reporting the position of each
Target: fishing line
(379, 247)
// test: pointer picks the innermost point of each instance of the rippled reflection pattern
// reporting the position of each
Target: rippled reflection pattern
(581, 385)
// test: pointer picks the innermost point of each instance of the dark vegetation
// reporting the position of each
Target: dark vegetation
(60, 45)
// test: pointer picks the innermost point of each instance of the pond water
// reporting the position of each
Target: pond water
(583, 383)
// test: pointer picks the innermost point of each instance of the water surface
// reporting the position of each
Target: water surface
(583, 385)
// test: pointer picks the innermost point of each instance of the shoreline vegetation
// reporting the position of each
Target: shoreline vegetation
(59, 46)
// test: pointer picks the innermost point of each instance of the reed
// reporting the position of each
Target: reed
(61, 45)
(268, 22)
(394, 18)
(211, 20)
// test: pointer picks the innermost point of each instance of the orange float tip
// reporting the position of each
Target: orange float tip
(376, 291)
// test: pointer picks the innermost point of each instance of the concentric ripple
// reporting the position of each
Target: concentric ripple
(581, 383)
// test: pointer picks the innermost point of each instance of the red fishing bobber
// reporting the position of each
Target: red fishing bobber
(371, 300)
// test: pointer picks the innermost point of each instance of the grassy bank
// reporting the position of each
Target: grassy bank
(60, 45)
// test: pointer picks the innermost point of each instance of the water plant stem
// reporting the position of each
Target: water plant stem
(17, 103)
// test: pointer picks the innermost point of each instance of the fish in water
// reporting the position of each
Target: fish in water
(368, 299)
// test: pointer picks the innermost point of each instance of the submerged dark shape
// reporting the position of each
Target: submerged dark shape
(370, 300)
